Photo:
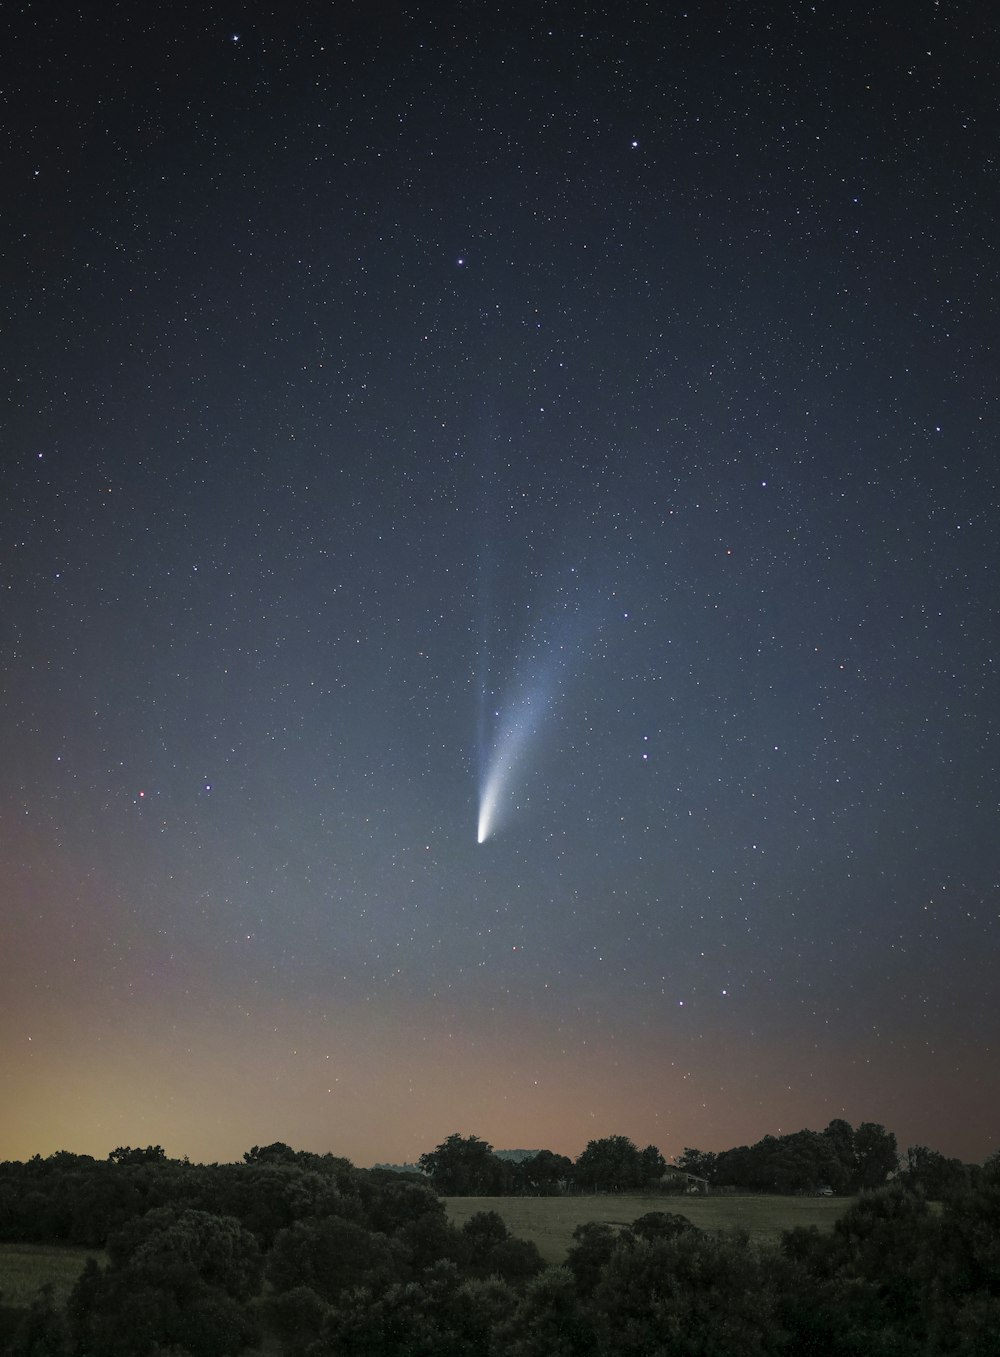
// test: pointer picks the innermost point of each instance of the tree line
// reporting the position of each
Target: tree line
(318, 1258)
(465, 1166)
(840, 1159)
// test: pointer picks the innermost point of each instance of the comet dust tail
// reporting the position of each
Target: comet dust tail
(505, 760)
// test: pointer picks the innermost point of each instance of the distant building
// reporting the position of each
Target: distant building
(689, 1183)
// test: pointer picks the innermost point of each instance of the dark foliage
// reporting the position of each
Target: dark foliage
(152, 1154)
(690, 1293)
(39, 1331)
(182, 1286)
(897, 1278)
(614, 1164)
(931, 1173)
(369, 1264)
(296, 1318)
(543, 1175)
(445, 1317)
(465, 1166)
(494, 1252)
(331, 1256)
(840, 1159)
(586, 1260)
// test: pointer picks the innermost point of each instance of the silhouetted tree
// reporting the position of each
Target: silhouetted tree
(42, 1330)
(876, 1155)
(177, 1279)
(839, 1135)
(447, 1316)
(661, 1225)
(493, 1251)
(700, 1163)
(399, 1202)
(124, 1154)
(933, 1174)
(278, 1153)
(331, 1256)
(551, 1320)
(690, 1294)
(652, 1165)
(465, 1166)
(296, 1317)
(594, 1243)
(611, 1164)
(543, 1175)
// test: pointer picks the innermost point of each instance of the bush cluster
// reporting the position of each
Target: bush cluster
(321, 1259)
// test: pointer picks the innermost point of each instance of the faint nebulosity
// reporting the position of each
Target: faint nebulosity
(372, 373)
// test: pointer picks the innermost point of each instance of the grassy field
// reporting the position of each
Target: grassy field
(26, 1267)
(550, 1221)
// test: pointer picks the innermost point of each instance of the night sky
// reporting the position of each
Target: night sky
(569, 427)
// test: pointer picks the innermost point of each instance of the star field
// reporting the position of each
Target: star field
(365, 372)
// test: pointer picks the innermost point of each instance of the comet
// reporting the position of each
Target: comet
(506, 758)
(550, 647)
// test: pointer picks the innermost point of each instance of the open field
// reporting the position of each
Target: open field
(550, 1221)
(26, 1267)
